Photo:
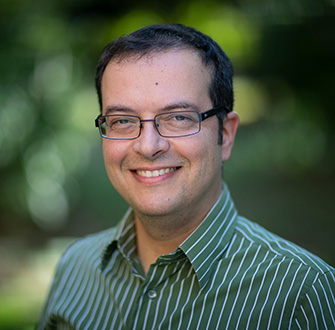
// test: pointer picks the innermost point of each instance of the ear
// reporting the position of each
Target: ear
(230, 124)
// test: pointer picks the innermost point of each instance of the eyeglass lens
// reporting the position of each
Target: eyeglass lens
(174, 124)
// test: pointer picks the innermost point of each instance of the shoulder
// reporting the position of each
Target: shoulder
(298, 285)
(87, 249)
(277, 245)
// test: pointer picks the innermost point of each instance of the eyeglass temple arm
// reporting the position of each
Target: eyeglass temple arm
(213, 112)
(99, 120)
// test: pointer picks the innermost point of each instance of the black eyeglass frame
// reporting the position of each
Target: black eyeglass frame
(202, 116)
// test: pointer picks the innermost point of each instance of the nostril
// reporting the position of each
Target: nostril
(156, 153)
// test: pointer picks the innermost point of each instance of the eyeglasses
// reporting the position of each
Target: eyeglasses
(169, 125)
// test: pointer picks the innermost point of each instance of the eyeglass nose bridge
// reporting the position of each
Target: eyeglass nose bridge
(148, 120)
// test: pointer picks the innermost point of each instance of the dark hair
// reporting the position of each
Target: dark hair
(157, 38)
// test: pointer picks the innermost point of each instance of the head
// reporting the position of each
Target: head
(160, 38)
(170, 183)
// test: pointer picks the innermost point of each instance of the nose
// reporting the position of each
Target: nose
(150, 144)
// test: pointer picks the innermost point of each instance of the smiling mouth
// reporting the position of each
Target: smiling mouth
(155, 173)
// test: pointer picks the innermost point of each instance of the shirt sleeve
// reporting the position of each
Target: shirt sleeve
(52, 296)
(316, 308)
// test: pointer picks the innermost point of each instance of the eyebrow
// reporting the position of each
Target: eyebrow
(181, 105)
(117, 108)
(170, 107)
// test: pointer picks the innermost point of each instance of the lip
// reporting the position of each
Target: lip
(154, 175)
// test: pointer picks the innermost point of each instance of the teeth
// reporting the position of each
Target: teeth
(153, 174)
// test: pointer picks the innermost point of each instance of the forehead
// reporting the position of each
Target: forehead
(165, 58)
(157, 76)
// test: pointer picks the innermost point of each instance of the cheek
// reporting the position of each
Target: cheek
(203, 153)
(207, 142)
(112, 156)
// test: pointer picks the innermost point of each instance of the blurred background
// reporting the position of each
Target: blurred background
(53, 186)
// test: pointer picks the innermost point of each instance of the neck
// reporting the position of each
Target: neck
(153, 242)
(158, 235)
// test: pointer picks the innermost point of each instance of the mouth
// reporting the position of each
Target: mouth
(155, 173)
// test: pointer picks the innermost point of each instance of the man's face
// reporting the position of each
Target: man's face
(159, 176)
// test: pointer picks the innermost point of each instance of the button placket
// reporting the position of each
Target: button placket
(152, 294)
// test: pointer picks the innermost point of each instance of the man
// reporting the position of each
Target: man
(182, 257)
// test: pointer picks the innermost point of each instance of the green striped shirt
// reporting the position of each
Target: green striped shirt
(230, 273)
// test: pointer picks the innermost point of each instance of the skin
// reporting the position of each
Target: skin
(170, 206)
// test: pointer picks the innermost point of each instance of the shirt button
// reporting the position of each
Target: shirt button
(152, 294)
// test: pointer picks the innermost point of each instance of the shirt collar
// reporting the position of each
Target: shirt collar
(123, 239)
(203, 247)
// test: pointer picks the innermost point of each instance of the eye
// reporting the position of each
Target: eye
(121, 121)
(180, 117)
(118, 120)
